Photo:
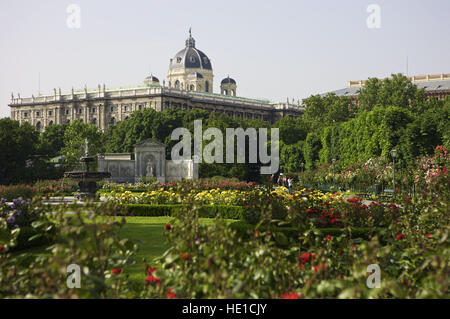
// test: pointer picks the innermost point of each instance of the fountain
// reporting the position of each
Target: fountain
(87, 181)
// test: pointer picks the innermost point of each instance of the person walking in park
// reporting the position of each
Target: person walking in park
(290, 185)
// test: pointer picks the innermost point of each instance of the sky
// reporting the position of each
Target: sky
(273, 49)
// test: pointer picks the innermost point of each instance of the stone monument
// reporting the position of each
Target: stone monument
(149, 161)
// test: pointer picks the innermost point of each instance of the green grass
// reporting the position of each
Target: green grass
(149, 234)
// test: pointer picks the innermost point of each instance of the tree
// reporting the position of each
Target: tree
(17, 147)
(291, 156)
(397, 90)
(74, 138)
(51, 141)
(311, 150)
(292, 130)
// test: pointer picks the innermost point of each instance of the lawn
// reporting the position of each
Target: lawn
(149, 234)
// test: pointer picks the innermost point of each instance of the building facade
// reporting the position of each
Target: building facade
(435, 86)
(190, 85)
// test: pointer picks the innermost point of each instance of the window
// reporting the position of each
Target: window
(192, 59)
(80, 111)
(112, 108)
(25, 114)
(67, 111)
(177, 84)
(178, 59)
(140, 107)
(207, 86)
(38, 114)
(50, 112)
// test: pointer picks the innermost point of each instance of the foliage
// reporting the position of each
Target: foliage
(210, 211)
(74, 137)
(17, 147)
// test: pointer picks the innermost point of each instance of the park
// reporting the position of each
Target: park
(370, 192)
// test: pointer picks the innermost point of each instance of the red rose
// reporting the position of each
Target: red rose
(292, 295)
(408, 199)
(254, 203)
(1, 248)
(427, 236)
(151, 270)
(186, 256)
(167, 226)
(400, 236)
(319, 267)
(152, 279)
(117, 271)
(247, 207)
(170, 294)
(305, 257)
(328, 237)
(301, 266)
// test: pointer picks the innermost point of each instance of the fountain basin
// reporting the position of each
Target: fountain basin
(87, 182)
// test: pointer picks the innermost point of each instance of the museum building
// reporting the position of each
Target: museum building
(189, 85)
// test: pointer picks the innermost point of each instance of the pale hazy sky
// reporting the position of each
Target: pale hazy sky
(273, 49)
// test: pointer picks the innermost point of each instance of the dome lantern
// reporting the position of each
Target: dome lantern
(228, 86)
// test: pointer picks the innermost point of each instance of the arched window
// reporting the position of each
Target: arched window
(225, 92)
(234, 92)
(177, 84)
(207, 86)
(112, 121)
(192, 87)
(51, 123)
(94, 121)
(38, 126)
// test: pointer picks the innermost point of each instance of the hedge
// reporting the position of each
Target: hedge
(245, 230)
(15, 191)
(209, 211)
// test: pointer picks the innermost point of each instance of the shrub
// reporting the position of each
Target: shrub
(247, 230)
(208, 211)
(30, 237)
(16, 191)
